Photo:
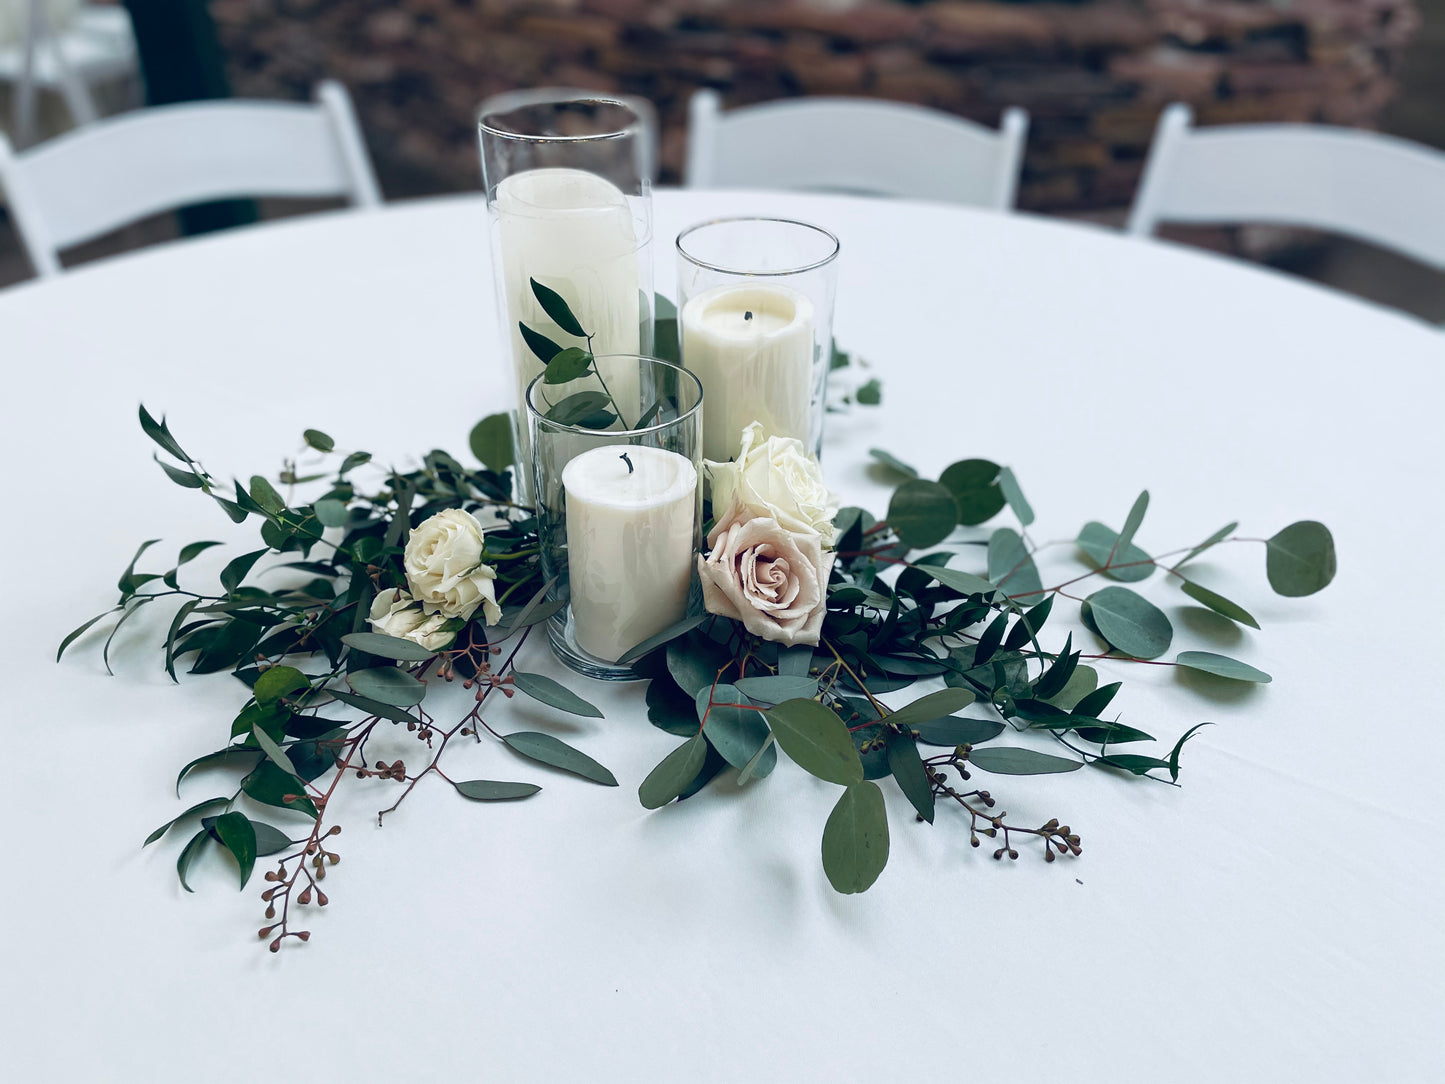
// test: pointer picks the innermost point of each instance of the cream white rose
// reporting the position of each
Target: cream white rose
(444, 567)
(778, 479)
(395, 613)
(771, 579)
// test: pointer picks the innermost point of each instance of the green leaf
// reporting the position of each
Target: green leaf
(568, 365)
(76, 634)
(1098, 542)
(234, 512)
(933, 706)
(319, 440)
(1174, 753)
(159, 432)
(127, 582)
(897, 466)
(1131, 623)
(1096, 701)
(958, 730)
(975, 487)
(1055, 679)
(1012, 568)
(273, 751)
(922, 513)
(554, 694)
(870, 393)
(269, 840)
(580, 409)
(388, 685)
(794, 661)
(539, 344)
(330, 512)
(1218, 603)
(1027, 627)
(1005, 760)
(965, 582)
(186, 478)
(1083, 681)
(672, 632)
(163, 829)
(816, 740)
(373, 707)
(279, 681)
(738, 734)
(192, 550)
(1015, 496)
(491, 442)
(236, 569)
(189, 852)
(1300, 559)
(1221, 666)
(855, 838)
(671, 777)
(1133, 520)
(556, 309)
(774, 689)
(907, 768)
(1132, 762)
(264, 494)
(492, 790)
(664, 339)
(762, 763)
(549, 750)
(228, 755)
(1213, 540)
(387, 647)
(270, 785)
(694, 663)
(236, 834)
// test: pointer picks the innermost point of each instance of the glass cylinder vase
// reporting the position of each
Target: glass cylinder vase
(755, 323)
(568, 175)
(616, 456)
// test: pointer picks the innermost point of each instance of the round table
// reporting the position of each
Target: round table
(1277, 917)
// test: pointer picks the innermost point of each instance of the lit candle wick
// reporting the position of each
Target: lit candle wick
(748, 315)
(624, 459)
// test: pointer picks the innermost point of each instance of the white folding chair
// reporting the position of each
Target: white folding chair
(1378, 188)
(855, 145)
(98, 178)
(62, 46)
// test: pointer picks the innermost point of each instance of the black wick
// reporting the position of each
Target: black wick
(627, 461)
(748, 315)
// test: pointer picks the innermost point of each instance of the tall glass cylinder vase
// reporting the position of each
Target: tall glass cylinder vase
(568, 175)
(616, 454)
(755, 319)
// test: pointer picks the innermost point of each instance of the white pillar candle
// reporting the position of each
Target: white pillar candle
(751, 345)
(629, 544)
(571, 231)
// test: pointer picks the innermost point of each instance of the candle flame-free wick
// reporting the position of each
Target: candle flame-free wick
(624, 459)
(748, 315)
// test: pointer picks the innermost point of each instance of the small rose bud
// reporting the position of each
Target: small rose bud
(305, 896)
(305, 935)
(321, 898)
(264, 932)
(275, 945)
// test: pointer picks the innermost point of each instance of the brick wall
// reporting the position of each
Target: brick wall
(1093, 75)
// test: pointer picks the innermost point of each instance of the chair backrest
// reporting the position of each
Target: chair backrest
(1378, 188)
(855, 145)
(100, 177)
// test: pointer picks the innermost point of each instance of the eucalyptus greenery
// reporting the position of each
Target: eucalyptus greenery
(898, 614)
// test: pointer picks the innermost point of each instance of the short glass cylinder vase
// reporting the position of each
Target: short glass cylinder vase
(755, 323)
(616, 457)
(568, 175)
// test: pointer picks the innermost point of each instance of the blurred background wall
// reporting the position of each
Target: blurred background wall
(1093, 74)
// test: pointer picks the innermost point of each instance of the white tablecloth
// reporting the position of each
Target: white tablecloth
(1275, 918)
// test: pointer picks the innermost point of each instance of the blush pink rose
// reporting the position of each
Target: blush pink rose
(771, 579)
